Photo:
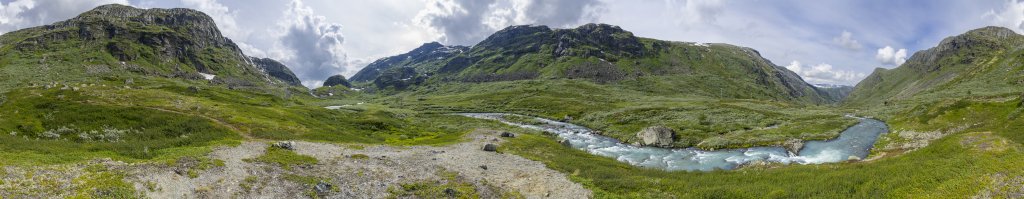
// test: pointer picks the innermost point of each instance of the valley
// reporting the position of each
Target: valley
(124, 102)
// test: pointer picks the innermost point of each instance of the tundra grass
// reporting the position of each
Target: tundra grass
(619, 110)
(961, 165)
(947, 169)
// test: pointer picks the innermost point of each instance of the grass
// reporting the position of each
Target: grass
(67, 126)
(620, 110)
(284, 158)
(944, 170)
(449, 186)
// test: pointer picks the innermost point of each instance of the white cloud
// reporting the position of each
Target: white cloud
(310, 45)
(21, 14)
(695, 12)
(465, 22)
(846, 41)
(824, 73)
(890, 56)
(1011, 15)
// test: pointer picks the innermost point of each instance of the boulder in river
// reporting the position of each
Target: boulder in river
(659, 136)
(793, 145)
(490, 147)
(565, 143)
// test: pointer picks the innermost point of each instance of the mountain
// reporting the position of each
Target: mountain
(276, 70)
(337, 80)
(118, 40)
(600, 53)
(833, 91)
(981, 61)
(432, 52)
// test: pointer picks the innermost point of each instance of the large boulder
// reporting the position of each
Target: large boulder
(659, 136)
(286, 145)
(490, 147)
(793, 145)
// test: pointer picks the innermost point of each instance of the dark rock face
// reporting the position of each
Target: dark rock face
(276, 70)
(169, 43)
(608, 39)
(337, 80)
(428, 52)
(399, 78)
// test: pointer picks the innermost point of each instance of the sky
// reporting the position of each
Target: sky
(831, 42)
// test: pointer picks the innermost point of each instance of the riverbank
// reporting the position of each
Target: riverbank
(853, 143)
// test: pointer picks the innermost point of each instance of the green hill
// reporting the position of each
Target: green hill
(120, 42)
(984, 61)
(600, 53)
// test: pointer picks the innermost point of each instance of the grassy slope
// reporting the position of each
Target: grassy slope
(620, 110)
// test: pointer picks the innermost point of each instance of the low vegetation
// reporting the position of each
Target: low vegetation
(284, 158)
(622, 109)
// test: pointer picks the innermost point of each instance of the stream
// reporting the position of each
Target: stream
(853, 143)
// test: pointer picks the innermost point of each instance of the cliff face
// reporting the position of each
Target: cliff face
(337, 80)
(276, 70)
(176, 43)
(425, 54)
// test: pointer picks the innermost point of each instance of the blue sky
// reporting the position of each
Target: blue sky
(836, 42)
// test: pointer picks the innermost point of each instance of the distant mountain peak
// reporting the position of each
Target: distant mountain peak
(169, 43)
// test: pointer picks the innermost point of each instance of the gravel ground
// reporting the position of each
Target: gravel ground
(348, 177)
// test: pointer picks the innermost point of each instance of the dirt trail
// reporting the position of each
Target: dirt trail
(371, 177)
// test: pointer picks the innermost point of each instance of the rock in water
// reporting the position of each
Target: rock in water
(565, 143)
(659, 136)
(288, 145)
(490, 147)
(793, 145)
(508, 135)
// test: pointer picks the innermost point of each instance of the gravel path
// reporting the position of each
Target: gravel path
(371, 177)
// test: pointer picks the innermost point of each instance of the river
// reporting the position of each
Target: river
(853, 143)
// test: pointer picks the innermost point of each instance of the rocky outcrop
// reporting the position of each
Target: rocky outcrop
(659, 136)
(277, 70)
(597, 52)
(169, 43)
(956, 64)
(793, 145)
(426, 53)
(490, 147)
(337, 80)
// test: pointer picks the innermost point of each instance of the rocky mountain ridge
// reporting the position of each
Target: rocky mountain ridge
(173, 43)
(601, 53)
(977, 61)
